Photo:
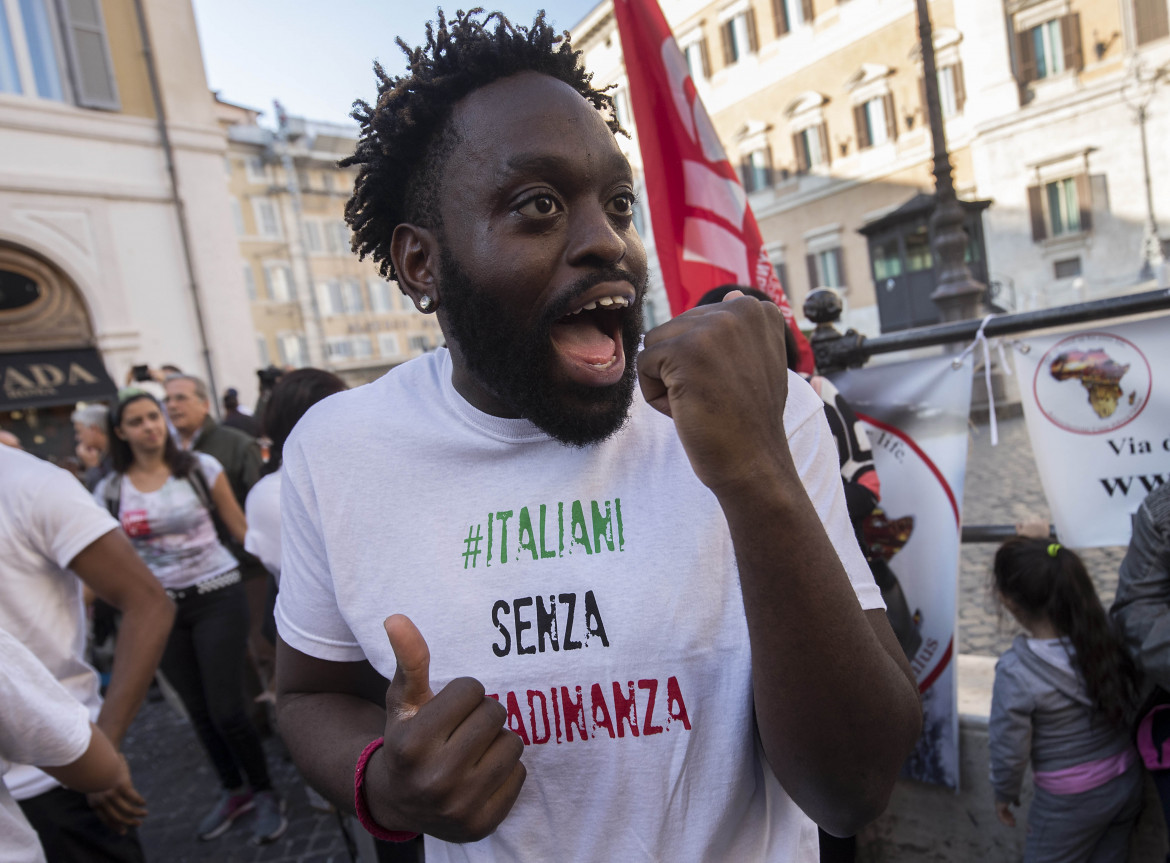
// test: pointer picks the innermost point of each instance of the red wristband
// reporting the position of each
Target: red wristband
(359, 800)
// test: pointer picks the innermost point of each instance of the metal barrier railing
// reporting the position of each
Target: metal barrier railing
(835, 351)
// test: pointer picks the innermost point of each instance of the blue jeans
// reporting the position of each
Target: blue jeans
(204, 662)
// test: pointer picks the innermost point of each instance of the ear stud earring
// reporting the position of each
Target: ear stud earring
(425, 303)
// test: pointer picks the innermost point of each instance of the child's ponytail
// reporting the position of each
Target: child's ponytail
(1045, 580)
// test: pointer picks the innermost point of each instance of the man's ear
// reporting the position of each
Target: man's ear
(415, 253)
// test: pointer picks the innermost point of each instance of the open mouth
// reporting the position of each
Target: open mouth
(589, 338)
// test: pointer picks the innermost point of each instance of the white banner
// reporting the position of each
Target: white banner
(1097, 407)
(916, 416)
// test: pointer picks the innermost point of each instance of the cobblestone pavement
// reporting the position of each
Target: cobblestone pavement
(1002, 487)
(175, 777)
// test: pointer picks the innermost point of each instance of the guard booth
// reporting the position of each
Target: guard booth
(903, 266)
(48, 356)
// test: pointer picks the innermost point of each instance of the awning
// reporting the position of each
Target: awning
(47, 378)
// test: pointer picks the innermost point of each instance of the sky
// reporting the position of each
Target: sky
(317, 57)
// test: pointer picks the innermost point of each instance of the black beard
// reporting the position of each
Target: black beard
(517, 368)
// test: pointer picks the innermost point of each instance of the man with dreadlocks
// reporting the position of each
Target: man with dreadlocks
(618, 628)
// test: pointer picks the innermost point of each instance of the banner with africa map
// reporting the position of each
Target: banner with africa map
(1097, 406)
(915, 414)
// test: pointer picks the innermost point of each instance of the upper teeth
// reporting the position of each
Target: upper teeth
(603, 301)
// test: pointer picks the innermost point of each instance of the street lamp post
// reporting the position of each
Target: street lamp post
(958, 294)
(1138, 91)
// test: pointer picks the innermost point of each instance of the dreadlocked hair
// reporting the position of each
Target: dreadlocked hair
(405, 138)
(1044, 580)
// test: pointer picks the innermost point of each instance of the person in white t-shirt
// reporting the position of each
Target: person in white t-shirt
(43, 724)
(293, 394)
(615, 628)
(168, 501)
(53, 540)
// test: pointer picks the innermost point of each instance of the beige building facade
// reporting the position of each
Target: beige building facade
(821, 106)
(312, 301)
(115, 231)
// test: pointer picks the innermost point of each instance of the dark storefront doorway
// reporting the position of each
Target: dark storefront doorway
(48, 360)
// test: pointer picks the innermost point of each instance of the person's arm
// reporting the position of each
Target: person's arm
(114, 571)
(99, 769)
(1140, 608)
(1009, 738)
(228, 508)
(836, 702)
(449, 767)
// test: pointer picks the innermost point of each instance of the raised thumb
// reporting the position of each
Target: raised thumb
(411, 687)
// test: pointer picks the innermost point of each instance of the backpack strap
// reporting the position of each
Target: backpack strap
(113, 494)
(199, 485)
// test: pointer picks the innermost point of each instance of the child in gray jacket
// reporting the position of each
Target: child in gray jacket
(1062, 699)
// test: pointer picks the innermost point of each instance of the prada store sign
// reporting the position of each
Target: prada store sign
(45, 378)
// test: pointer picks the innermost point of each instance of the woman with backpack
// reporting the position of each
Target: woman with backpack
(172, 504)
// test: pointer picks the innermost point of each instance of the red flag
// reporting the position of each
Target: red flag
(703, 227)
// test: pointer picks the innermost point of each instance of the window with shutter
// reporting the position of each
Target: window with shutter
(800, 147)
(861, 126)
(806, 10)
(891, 117)
(1036, 211)
(813, 280)
(1151, 20)
(726, 37)
(1070, 36)
(706, 56)
(960, 86)
(1084, 202)
(780, 17)
(90, 66)
(823, 140)
(753, 37)
(1025, 58)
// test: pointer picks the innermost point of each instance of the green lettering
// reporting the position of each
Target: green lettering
(560, 529)
(580, 532)
(602, 526)
(526, 526)
(503, 517)
(617, 506)
(489, 554)
(545, 552)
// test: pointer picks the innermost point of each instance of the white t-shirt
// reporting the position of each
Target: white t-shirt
(171, 530)
(262, 510)
(40, 723)
(47, 518)
(592, 590)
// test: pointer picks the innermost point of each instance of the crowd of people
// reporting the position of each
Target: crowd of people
(514, 608)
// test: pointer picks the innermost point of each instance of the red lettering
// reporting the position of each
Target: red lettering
(676, 708)
(556, 712)
(625, 709)
(533, 695)
(600, 711)
(515, 721)
(574, 714)
(651, 686)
